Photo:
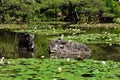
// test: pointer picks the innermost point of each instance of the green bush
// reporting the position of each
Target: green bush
(23, 11)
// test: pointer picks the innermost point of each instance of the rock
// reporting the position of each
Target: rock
(26, 46)
(67, 49)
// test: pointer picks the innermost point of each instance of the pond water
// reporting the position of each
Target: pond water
(9, 42)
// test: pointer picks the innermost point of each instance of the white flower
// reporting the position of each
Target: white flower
(62, 36)
(69, 37)
(59, 69)
(103, 37)
(108, 33)
(3, 58)
(70, 28)
(73, 33)
(110, 39)
(42, 56)
(110, 44)
(73, 29)
(95, 61)
(78, 56)
(103, 62)
(8, 62)
(106, 25)
(68, 59)
(53, 28)
(55, 79)
(105, 32)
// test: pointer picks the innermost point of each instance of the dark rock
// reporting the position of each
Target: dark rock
(67, 49)
(26, 46)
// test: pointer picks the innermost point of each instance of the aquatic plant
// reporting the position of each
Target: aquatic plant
(46, 69)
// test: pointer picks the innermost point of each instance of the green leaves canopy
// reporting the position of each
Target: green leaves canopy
(17, 11)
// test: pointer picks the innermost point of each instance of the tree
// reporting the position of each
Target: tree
(18, 10)
(113, 6)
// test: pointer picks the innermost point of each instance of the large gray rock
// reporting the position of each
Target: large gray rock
(67, 49)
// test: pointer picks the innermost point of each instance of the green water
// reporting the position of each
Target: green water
(9, 42)
(105, 51)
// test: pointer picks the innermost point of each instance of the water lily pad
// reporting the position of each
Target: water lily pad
(48, 70)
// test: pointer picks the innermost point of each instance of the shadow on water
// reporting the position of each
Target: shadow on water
(105, 51)
(9, 42)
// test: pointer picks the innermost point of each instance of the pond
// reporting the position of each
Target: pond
(9, 42)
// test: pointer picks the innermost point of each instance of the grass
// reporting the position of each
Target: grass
(46, 69)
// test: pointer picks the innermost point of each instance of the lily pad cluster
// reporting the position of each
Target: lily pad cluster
(46, 69)
(96, 35)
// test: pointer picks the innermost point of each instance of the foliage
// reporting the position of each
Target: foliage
(18, 10)
(96, 38)
(46, 69)
(117, 20)
(113, 7)
(27, 11)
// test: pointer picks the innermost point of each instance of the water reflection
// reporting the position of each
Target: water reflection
(105, 51)
(8, 47)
